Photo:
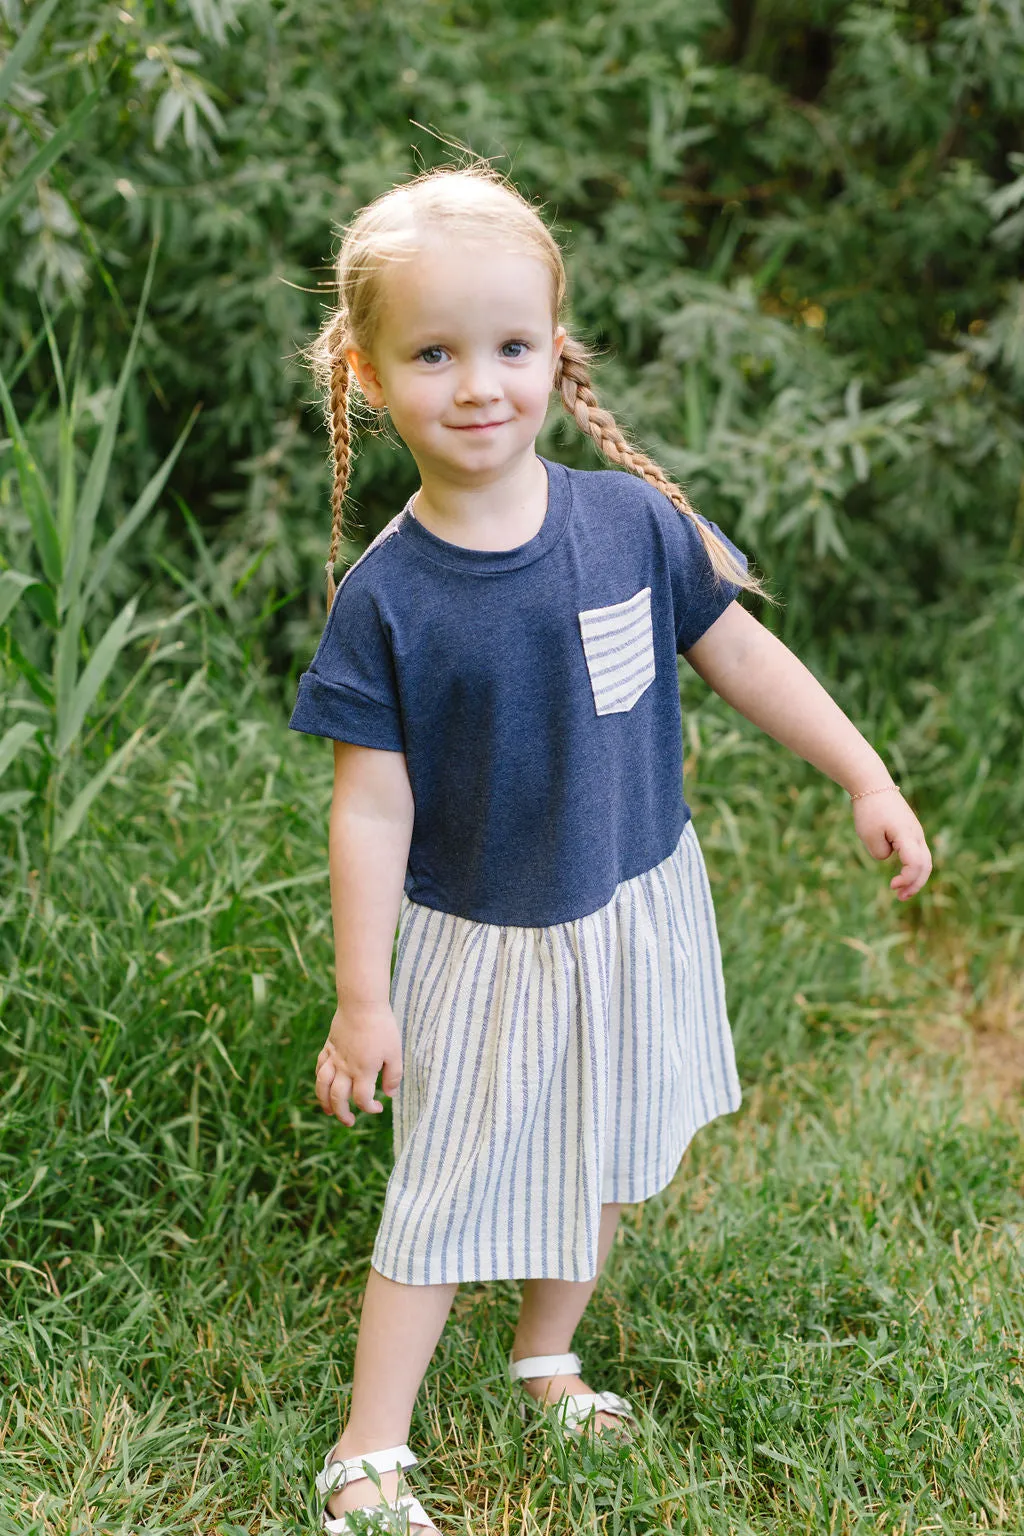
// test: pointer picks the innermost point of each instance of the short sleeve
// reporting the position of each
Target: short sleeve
(349, 691)
(699, 595)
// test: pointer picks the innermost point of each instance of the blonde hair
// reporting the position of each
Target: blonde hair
(469, 200)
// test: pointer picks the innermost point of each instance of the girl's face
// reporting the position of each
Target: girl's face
(464, 357)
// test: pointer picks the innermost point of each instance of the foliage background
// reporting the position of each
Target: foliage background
(794, 230)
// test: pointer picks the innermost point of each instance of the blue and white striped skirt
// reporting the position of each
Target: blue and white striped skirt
(547, 1071)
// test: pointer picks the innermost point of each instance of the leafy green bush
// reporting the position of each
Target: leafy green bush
(795, 231)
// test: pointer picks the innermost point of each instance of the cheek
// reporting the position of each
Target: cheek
(536, 385)
(420, 397)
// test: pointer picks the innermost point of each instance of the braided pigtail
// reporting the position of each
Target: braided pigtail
(341, 441)
(572, 380)
(327, 356)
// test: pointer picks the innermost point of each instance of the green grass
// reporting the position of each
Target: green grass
(824, 1314)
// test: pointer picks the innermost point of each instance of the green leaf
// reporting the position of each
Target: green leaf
(139, 511)
(695, 416)
(23, 47)
(44, 157)
(39, 1174)
(219, 590)
(65, 659)
(66, 416)
(13, 587)
(29, 350)
(71, 820)
(37, 682)
(169, 109)
(71, 716)
(34, 497)
(1010, 196)
(99, 465)
(14, 799)
(13, 742)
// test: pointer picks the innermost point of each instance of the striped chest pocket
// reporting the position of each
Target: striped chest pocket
(618, 643)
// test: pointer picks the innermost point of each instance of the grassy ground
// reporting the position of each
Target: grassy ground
(824, 1313)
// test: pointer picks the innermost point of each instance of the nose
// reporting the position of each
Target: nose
(477, 383)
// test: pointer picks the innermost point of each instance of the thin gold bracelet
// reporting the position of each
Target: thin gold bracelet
(881, 791)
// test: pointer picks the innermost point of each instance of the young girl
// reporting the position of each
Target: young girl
(498, 672)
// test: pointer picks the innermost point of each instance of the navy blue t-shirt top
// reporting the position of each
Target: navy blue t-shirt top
(534, 692)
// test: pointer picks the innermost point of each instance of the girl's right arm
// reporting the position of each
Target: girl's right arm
(370, 833)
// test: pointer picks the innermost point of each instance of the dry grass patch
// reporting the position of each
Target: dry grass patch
(980, 1025)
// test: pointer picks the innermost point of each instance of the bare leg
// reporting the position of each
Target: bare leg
(548, 1317)
(398, 1332)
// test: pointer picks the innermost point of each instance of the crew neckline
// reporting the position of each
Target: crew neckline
(459, 556)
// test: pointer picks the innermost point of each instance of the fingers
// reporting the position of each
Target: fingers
(335, 1087)
(341, 1092)
(392, 1074)
(362, 1093)
(915, 862)
(888, 830)
(916, 866)
(324, 1080)
(877, 843)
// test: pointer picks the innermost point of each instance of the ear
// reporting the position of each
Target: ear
(369, 378)
(558, 343)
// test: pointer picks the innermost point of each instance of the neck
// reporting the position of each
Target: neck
(500, 510)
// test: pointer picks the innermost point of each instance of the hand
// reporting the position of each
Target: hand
(885, 825)
(360, 1042)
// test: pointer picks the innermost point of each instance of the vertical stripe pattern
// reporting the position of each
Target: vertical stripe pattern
(548, 1070)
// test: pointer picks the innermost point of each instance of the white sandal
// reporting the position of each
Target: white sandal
(337, 1474)
(575, 1408)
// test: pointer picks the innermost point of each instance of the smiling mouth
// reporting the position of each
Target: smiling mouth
(478, 426)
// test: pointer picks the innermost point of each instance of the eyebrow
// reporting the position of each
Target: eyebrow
(427, 338)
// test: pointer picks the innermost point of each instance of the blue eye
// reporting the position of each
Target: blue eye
(522, 345)
(431, 354)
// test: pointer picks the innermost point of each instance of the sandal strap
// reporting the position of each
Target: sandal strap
(575, 1407)
(338, 1525)
(544, 1365)
(336, 1474)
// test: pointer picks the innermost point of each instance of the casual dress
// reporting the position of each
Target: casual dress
(558, 981)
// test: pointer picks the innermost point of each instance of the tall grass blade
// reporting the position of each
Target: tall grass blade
(219, 589)
(39, 684)
(23, 47)
(55, 357)
(66, 418)
(14, 585)
(96, 477)
(72, 708)
(12, 742)
(34, 497)
(65, 660)
(30, 348)
(138, 513)
(69, 823)
(13, 800)
(696, 414)
(66, 476)
(44, 157)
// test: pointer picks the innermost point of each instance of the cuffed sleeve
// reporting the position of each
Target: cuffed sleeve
(332, 709)
(349, 690)
(699, 595)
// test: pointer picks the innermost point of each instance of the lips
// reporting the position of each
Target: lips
(478, 426)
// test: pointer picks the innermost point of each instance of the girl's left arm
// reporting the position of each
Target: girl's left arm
(755, 673)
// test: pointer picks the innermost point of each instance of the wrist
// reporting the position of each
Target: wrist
(866, 773)
(363, 1005)
(878, 789)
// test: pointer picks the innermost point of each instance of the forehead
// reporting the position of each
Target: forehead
(465, 286)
